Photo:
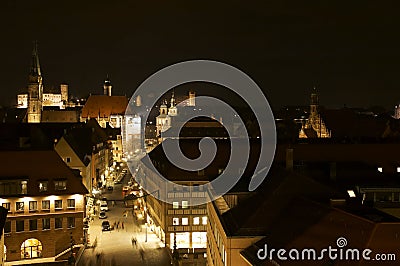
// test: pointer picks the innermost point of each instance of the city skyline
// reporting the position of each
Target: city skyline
(348, 51)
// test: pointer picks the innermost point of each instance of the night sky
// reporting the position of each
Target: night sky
(348, 49)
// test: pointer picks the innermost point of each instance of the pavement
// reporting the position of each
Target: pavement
(115, 247)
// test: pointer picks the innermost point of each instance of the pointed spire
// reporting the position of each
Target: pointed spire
(35, 66)
(173, 98)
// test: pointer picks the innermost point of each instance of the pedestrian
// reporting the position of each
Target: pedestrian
(141, 251)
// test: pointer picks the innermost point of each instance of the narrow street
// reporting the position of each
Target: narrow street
(115, 247)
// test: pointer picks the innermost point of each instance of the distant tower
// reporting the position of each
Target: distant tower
(192, 98)
(35, 89)
(172, 111)
(107, 87)
(314, 122)
(139, 100)
(163, 121)
(397, 112)
(314, 102)
(64, 93)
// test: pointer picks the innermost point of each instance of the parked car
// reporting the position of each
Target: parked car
(105, 226)
(102, 215)
(103, 207)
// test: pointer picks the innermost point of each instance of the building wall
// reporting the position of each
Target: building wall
(2, 255)
(53, 240)
(70, 158)
(221, 249)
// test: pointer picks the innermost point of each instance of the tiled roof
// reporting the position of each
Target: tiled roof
(36, 165)
(273, 196)
(308, 224)
(104, 106)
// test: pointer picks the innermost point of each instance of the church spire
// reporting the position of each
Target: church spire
(35, 65)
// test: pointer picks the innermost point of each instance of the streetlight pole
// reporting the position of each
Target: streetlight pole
(71, 259)
(175, 254)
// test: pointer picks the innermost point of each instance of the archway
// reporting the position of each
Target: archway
(31, 248)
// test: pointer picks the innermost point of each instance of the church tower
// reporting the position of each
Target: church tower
(107, 87)
(315, 126)
(35, 89)
(173, 111)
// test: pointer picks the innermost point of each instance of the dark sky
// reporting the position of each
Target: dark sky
(348, 49)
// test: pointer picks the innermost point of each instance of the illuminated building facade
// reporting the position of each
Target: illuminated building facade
(314, 126)
(45, 202)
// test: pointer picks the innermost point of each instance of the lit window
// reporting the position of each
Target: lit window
(24, 187)
(32, 205)
(185, 221)
(175, 205)
(6, 205)
(58, 204)
(196, 220)
(175, 221)
(19, 206)
(60, 185)
(31, 248)
(43, 186)
(204, 220)
(45, 204)
(380, 169)
(185, 204)
(398, 169)
(351, 193)
(71, 203)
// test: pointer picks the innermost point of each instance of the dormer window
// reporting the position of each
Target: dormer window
(60, 184)
(43, 186)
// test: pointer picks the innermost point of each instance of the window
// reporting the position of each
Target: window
(196, 220)
(7, 227)
(175, 221)
(43, 186)
(19, 206)
(185, 204)
(24, 187)
(71, 222)
(185, 221)
(204, 220)
(33, 206)
(68, 159)
(19, 225)
(175, 205)
(45, 204)
(46, 224)
(32, 225)
(6, 205)
(58, 204)
(58, 222)
(31, 248)
(71, 203)
(60, 185)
